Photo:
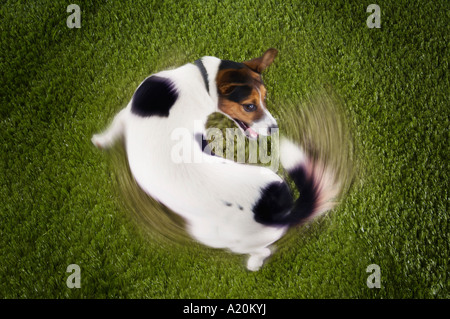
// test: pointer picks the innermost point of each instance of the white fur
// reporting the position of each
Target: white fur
(290, 155)
(197, 191)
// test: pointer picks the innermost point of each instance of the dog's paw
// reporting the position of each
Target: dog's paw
(255, 261)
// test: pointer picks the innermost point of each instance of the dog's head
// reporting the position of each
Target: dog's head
(241, 94)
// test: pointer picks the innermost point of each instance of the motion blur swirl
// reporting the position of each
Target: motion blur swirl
(317, 123)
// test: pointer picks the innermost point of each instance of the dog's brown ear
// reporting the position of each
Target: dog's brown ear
(228, 80)
(226, 88)
(261, 63)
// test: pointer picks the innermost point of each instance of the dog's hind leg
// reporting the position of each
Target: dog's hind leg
(107, 138)
(256, 259)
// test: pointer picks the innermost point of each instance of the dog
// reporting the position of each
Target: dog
(240, 207)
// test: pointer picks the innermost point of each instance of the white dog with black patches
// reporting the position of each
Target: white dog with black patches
(243, 208)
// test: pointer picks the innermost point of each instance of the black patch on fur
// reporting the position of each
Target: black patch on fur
(240, 207)
(237, 77)
(154, 97)
(228, 204)
(274, 205)
(203, 143)
(239, 93)
(306, 203)
(227, 64)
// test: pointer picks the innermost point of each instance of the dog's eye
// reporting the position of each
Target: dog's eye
(249, 107)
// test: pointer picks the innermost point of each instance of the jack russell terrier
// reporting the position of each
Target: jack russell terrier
(240, 207)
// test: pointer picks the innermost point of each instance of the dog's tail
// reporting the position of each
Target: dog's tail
(315, 182)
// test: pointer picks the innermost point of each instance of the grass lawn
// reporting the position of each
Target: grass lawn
(58, 194)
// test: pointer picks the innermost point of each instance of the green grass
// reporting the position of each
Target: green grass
(58, 194)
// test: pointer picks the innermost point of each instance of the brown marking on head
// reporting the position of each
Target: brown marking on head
(241, 90)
